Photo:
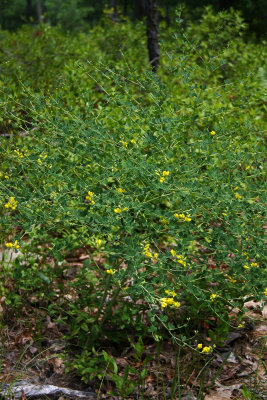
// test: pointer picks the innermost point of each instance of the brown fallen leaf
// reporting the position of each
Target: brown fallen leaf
(260, 331)
(58, 365)
(23, 337)
(219, 394)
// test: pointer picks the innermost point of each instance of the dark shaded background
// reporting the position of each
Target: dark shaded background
(79, 14)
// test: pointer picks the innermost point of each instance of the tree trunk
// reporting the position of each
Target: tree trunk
(113, 6)
(224, 4)
(152, 34)
(28, 9)
(39, 11)
(125, 7)
(139, 9)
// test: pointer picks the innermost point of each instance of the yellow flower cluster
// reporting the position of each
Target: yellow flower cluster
(14, 245)
(98, 243)
(231, 279)
(183, 217)
(39, 159)
(164, 173)
(169, 301)
(124, 144)
(205, 349)
(149, 254)
(18, 153)
(12, 203)
(89, 197)
(173, 294)
(110, 271)
(212, 133)
(120, 190)
(179, 258)
(4, 176)
(163, 221)
(213, 296)
(237, 196)
(119, 210)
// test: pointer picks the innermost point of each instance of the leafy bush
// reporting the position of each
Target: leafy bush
(157, 180)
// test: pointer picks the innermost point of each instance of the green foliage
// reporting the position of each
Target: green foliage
(158, 180)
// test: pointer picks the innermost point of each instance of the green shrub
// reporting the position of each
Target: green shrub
(158, 180)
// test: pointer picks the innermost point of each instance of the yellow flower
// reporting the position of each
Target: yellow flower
(39, 161)
(265, 292)
(133, 141)
(117, 210)
(199, 346)
(124, 145)
(213, 296)
(241, 325)
(155, 257)
(148, 254)
(254, 264)
(125, 209)
(163, 304)
(110, 271)
(120, 190)
(18, 153)
(183, 217)
(162, 179)
(173, 252)
(6, 177)
(89, 197)
(166, 173)
(168, 301)
(163, 220)
(207, 349)
(212, 133)
(146, 247)
(224, 214)
(98, 242)
(248, 167)
(237, 196)
(14, 245)
(246, 266)
(12, 203)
